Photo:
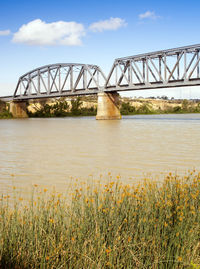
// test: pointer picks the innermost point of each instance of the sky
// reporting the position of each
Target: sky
(35, 33)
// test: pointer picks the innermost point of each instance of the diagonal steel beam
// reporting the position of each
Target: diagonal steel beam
(66, 77)
(195, 66)
(138, 78)
(123, 73)
(159, 73)
(176, 65)
(110, 74)
(188, 67)
(79, 77)
(32, 81)
(152, 73)
(43, 83)
(53, 80)
(91, 79)
(135, 65)
(167, 68)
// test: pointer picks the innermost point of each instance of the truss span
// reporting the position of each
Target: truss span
(161, 69)
(57, 80)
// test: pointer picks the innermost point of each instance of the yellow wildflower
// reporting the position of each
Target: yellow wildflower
(51, 220)
(179, 259)
(129, 239)
(108, 250)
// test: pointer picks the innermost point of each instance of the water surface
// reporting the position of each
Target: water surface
(50, 151)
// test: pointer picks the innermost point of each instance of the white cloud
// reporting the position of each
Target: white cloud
(111, 24)
(40, 33)
(148, 15)
(4, 32)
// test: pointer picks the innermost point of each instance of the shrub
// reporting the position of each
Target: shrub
(127, 108)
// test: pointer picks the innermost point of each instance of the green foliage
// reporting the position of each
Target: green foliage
(62, 109)
(194, 266)
(185, 104)
(146, 108)
(177, 109)
(76, 104)
(4, 112)
(5, 115)
(2, 106)
(127, 108)
(56, 110)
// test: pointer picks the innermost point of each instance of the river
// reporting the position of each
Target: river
(54, 151)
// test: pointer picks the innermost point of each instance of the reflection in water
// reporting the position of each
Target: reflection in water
(49, 151)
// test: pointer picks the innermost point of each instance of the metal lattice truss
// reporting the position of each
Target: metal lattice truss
(59, 80)
(162, 69)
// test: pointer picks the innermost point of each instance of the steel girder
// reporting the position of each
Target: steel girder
(161, 69)
(59, 80)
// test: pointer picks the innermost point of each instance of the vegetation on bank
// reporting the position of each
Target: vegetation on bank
(4, 113)
(63, 109)
(147, 108)
(148, 225)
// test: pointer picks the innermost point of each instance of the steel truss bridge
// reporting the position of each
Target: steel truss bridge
(161, 69)
(59, 80)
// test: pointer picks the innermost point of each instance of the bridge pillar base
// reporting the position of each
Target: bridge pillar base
(108, 106)
(18, 109)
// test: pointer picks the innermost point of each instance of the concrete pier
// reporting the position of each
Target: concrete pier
(107, 108)
(18, 109)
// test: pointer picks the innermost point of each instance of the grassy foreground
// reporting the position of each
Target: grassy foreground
(148, 225)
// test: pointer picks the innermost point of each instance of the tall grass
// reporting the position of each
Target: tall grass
(148, 225)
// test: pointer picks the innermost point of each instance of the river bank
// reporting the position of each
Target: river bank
(145, 225)
(87, 106)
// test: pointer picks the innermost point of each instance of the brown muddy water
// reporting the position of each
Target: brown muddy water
(56, 151)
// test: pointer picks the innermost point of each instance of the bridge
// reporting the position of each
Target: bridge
(177, 67)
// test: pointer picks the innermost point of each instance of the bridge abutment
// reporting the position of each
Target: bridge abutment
(107, 108)
(18, 109)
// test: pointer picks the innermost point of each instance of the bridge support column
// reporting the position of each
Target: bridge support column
(107, 108)
(18, 109)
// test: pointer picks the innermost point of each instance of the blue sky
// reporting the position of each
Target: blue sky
(94, 32)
